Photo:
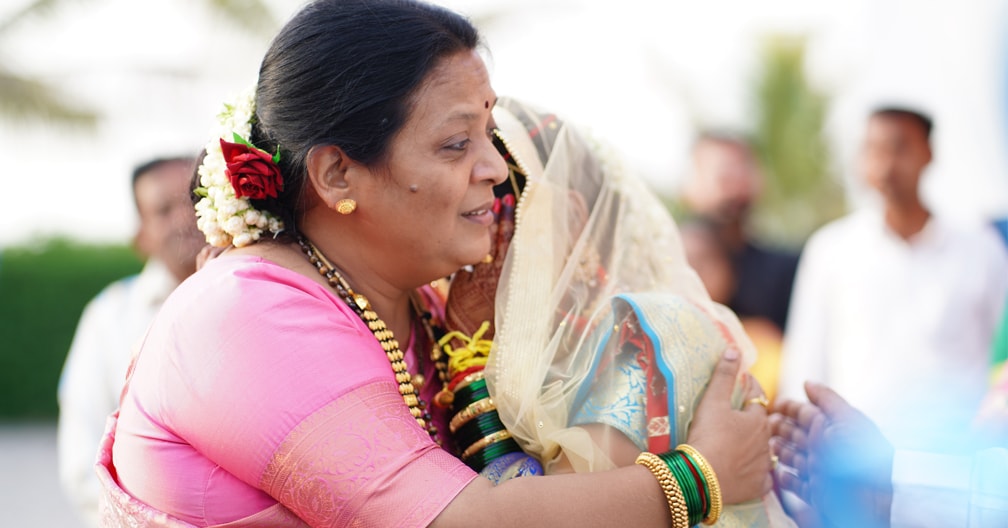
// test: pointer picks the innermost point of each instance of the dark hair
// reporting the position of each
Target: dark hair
(150, 165)
(922, 119)
(342, 72)
(194, 181)
(143, 168)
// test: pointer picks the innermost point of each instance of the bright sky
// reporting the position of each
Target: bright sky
(641, 73)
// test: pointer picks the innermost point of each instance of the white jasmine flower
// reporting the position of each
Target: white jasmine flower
(223, 217)
(252, 217)
(242, 239)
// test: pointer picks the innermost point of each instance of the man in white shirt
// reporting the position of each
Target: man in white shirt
(116, 319)
(896, 309)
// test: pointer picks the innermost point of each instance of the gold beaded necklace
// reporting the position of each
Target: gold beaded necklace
(362, 307)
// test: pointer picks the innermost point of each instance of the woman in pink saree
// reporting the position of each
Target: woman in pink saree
(286, 383)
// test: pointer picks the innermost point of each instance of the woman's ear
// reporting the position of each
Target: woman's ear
(327, 171)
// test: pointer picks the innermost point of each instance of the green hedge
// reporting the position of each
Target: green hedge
(43, 289)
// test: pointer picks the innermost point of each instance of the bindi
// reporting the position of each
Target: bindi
(486, 104)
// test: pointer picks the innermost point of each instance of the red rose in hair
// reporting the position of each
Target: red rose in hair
(253, 173)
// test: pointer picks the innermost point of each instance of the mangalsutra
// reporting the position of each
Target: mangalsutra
(362, 307)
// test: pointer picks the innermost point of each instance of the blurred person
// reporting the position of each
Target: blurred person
(838, 469)
(724, 185)
(710, 257)
(112, 323)
(896, 308)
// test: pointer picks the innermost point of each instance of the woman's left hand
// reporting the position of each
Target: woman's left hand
(735, 442)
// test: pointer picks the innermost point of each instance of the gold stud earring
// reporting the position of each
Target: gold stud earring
(346, 206)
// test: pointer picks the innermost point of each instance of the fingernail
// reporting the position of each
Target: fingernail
(496, 207)
(509, 200)
(731, 354)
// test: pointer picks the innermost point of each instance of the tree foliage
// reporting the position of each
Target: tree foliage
(43, 289)
(801, 191)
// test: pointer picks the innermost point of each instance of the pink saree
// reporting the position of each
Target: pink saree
(236, 416)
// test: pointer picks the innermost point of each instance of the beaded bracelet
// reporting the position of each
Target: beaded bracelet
(673, 494)
(711, 480)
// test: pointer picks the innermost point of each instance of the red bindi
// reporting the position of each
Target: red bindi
(486, 104)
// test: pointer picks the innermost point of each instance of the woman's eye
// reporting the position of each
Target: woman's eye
(461, 145)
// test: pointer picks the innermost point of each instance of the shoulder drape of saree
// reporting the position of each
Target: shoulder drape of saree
(592, 245)
(687, 342)
(118, 509)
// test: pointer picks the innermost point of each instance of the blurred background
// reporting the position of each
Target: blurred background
(89, 88)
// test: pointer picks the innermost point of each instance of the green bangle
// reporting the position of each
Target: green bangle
(492, 452)
(688, 484)
(476, 390)
(703, 479)
(697, 486)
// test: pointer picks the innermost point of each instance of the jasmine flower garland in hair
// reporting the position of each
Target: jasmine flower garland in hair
(233, 172)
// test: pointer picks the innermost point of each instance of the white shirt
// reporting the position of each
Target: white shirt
(901, 329)
(108, 331)
(943, 490)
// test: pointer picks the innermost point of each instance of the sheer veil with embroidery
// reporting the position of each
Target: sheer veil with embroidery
(594, 251)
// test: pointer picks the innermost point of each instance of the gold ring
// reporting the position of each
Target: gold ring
(762, 400)
(775, 461)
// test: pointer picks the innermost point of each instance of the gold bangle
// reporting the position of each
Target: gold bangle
(669, 485)
(471, 411)
(468, 380)
(712, 482)
(485, 441)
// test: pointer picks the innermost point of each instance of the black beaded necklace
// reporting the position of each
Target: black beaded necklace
(362, 307)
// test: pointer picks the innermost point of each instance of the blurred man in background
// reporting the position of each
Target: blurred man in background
(723, 187)
(719, 195)
(894, 307)
(116, 319)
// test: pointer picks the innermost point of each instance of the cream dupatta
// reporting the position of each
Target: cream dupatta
(594, 254)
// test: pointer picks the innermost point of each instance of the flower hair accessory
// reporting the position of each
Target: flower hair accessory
(233, 172)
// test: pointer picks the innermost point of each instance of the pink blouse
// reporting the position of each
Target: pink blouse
(257, 386)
